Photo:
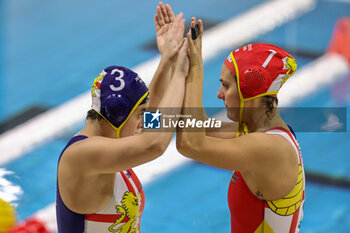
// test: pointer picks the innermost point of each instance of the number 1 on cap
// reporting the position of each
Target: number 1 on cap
(268, 59)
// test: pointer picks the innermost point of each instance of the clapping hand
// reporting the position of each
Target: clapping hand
(169, 30)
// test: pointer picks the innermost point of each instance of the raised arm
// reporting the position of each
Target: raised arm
(194, 87)
(246, 153)
(170, 31)
(98, 155)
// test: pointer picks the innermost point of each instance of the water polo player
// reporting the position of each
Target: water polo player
(266, 192)
(97, 191)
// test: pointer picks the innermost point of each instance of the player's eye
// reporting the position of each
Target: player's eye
(141, 112)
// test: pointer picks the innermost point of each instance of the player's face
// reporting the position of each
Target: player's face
(134, 124)
(228, 92)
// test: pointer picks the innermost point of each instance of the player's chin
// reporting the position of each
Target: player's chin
(231, 115)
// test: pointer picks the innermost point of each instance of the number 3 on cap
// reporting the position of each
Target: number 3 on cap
(118, 78)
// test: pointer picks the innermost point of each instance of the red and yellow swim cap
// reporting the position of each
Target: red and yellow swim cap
(261, 70)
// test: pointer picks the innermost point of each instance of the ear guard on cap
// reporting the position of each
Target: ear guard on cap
(117, 109)
(253, 79)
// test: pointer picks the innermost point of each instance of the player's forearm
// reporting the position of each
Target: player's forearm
(189, 143)
(194, 84)
(193, 99)
(170, 104)
(193, 106)
(160, 81)
(174, 93)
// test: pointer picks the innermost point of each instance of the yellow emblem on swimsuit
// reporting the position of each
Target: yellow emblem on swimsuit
(289, 204)
(129, 209)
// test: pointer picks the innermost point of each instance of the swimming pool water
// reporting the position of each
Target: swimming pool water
(50, 52)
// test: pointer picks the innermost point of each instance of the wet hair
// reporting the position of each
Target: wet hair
(93, 115)
(269, 102)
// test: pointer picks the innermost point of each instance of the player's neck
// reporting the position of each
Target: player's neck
(98, 128)
(260, 121)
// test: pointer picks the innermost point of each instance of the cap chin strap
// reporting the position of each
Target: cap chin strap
(242, 127)
(118, 129)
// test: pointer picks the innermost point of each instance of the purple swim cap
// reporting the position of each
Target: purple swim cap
(116, 93)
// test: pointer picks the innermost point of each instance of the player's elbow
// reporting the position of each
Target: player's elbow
(156, 146)
(186, 147)
(160, 148)
(183, 149)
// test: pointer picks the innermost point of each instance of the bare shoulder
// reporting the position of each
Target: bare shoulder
(73, 152)
(78, 154)
(89, 146)
(256, 152)
(69, 160)
(276, 168)
(269, 149)
(265, 142)
(284, 148)
(75, 180)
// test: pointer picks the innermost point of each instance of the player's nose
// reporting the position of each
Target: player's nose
(220, 94)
